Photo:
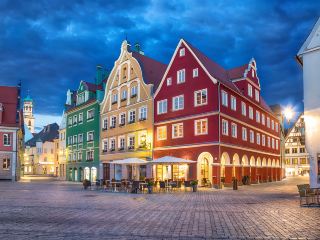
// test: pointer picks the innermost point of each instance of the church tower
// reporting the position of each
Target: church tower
(28, 113)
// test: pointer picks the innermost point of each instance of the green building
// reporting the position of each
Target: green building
(82, 130)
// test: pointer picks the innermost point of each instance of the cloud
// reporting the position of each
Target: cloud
(52, 45)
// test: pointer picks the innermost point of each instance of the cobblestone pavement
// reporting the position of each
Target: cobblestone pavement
(59, 210)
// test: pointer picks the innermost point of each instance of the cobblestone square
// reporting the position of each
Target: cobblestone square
(60, 210)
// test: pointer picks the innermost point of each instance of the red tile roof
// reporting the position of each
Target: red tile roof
(224, 76)
(9, 99)
(152, 70)
(93, 87)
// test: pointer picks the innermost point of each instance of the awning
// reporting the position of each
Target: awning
(171, 160)
(129, 161)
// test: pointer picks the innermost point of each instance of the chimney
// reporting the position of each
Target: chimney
(138, 48)
(100, 74)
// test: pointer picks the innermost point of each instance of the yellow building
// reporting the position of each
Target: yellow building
(127, 113)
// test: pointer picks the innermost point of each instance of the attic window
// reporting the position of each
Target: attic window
(182, 52)
(253, 74)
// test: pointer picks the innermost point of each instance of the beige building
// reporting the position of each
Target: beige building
(62, 152)
(127, 113)
(297, 158)
(40, 156)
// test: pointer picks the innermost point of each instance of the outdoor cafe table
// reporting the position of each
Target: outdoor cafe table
(115, 185)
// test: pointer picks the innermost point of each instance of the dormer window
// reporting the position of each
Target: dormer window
(182, 52)
(249, 90)
(195, 73)
(80, 98)
(169, 81)
(257, 95)
(252, 73)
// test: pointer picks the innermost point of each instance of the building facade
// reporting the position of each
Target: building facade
(217, 118)
(62, 149)
(297, 158)
(28, 113)
(127, 113)
(309, 57)
(40, 152)
(82, 130)
(11, 133)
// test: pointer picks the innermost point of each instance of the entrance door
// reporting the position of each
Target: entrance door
(204, 170)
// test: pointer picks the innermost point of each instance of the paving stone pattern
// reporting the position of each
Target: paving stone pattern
(59, 210)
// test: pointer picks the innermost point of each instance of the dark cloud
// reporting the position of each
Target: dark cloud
(52, 45)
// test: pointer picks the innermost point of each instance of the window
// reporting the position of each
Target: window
(268, 122)
(177, 130)
(294, 150)
(121, 143)
(114, 98)
(181, 52)
(6, 164)
(70, 121)
(277, 127)
(80, 156)
(169, 81)
(178, 103)
(294, 160)
(134, 91)
(200, 97)
(105, 124)
(112, 144)
(122, 119)
(90, 136)
(251, 136)
(181, 76)
(243, 109)
(258, 116)
(249, 90)
(132, 116)
(74, 157)
(75, 119)
(90, 114)
(124, 95)
(131, 143)
(143, 113)
(277, 144)
(224, 96)
(6, 139)
(162, 133)
(303, 161)
(75, 138)
(250, 112)
(272, 124)
(90, 155)
(258, 138)
(80, 138)
(201, 126)
(263, 120)
(244, 134)
(263, 140)
(105, 145)
(256, 94)
(272, 143)
(302, 150)
(80, 98)
(80, 118)
(233, 103)
(234, 130)
(195, 72)
(224, 127)
(162, 106)
(268, 141)
(287, 150)
(113, 122)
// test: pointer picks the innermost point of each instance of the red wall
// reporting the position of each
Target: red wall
(6, 148)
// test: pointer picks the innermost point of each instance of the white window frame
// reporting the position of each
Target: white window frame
(80, 118)
(258, 138)
(178, 98)
(251, 112)
(233, 103)
(250, 93)
(90, 110)
(263, 140)
(182, 52)
(224, 98)
(272, 124)
(225, 127)
(122, 118)
(164, 128)
(196, 104)
(6, 139)
(201, 121)
(132, 116)
(263, 119)
(169, 81)
(179, 127)
(234, 130)
(251, 136)
(181, 76)
(113, 119)
(160, 106)
(257, 95)
(88, 136)
(268, 122)
(257, 116)
(143, 111)
(244, 134)
(6, 163)
(243, 109)
(195, 72)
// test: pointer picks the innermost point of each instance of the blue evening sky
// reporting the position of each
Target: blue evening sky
(51, 45)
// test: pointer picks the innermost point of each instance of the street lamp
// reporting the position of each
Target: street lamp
(288, 113)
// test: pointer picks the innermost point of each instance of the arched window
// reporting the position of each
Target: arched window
(29, 123)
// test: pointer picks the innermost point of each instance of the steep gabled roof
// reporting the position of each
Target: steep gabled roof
(47, 134)
(10, 102)
(237, 72)
(93, 87)
(152, 70)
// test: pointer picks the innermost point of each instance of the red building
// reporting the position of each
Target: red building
(11, 133)
(217, 117)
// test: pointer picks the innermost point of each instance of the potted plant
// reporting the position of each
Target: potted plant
(150, 185)
(194, 185)
(86, 183)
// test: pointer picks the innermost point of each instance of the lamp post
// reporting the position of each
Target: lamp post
(288, 113)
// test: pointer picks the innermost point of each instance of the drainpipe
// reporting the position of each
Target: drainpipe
(219, 99)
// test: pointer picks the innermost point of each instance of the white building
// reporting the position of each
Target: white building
(309, 57)
(297, 158)
(62, 148)
(28, 113)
